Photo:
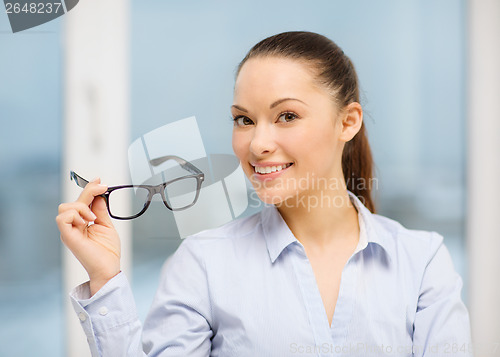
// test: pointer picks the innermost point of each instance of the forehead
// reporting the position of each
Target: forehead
(275, 77)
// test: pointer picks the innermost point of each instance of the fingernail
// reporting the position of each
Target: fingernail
(95, 179)
(94, 217)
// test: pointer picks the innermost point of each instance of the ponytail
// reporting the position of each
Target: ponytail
(357, 166)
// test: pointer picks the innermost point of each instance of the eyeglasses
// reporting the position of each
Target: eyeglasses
(177, 194)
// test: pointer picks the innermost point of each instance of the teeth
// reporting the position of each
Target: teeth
(269, 169)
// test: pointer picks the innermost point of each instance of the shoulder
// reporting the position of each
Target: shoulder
(238, 227)
(234, 233)
(420, 258)
(412, 237)
(214, 244)
(404, 245)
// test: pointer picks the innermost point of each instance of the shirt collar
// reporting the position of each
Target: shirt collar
(278, 236)
(371, 230)
(276, 232)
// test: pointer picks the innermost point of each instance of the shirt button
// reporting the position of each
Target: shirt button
(103, 311)
(82, 317)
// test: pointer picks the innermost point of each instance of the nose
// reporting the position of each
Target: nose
(263, 140)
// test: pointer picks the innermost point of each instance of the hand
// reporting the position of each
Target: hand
(96, 246)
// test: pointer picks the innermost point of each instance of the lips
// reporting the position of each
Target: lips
(264, 169)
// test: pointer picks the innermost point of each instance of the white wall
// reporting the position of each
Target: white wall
(483, 217)
(96, 122)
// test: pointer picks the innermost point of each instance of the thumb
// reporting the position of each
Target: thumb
(101, 211)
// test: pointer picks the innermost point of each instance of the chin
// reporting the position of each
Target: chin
(274, 197)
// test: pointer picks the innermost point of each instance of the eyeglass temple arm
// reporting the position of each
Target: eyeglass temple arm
(80, 181)
(184, 164)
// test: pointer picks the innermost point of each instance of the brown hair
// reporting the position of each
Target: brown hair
(336, 72)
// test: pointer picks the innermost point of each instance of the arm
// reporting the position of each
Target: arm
(177, 324)
(109, 318)
(180, 317)
(441, 326)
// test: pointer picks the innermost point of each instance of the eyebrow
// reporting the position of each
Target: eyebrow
(276, 103)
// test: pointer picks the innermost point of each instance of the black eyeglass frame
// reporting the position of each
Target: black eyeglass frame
(153, 190)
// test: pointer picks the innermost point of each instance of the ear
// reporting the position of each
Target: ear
(352, 118)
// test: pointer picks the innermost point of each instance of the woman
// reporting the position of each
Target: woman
(316, 272)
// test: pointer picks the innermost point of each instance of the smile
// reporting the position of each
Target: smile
(270, 169)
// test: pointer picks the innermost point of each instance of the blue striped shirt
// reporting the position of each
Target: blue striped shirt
(247, 289)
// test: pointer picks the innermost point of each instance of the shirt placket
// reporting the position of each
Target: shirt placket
(312, 301)
(344, 308)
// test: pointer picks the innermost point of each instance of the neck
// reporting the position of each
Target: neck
(322, 219)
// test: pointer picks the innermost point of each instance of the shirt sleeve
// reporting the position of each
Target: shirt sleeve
(177, 324)
(109, 318)
(180, 317)
(441, 326)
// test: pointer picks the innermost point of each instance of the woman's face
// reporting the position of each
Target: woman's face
(286, 133)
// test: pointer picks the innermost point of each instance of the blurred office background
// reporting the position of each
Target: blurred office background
(413, 59)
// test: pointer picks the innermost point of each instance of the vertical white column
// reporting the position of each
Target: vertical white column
(483, 174)
(96, 122)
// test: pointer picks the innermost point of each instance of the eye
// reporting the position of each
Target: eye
(242, 121)
(287, 117)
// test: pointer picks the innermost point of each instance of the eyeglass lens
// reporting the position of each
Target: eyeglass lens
(179, 194)
(137, 197)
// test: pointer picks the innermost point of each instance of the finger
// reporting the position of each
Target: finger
(80, 207)
(62, 208)
(100, 209)
(68, 220)
(90, 191)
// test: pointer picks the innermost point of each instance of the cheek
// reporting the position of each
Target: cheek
(315, 146)
(240, 145)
